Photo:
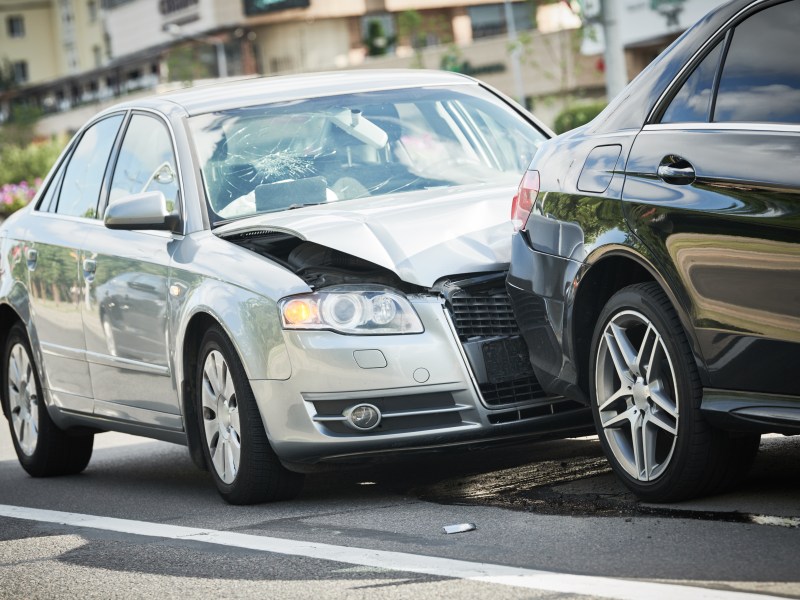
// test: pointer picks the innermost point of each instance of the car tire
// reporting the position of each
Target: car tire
(242, 463)
(646, 394)
(42, 448)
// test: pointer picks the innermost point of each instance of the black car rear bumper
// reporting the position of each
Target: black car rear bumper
(540, 287)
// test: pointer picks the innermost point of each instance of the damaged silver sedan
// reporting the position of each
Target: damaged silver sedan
(278, 274)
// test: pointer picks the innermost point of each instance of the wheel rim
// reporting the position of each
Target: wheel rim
(637, 395)
(23, 396)
(221, 417)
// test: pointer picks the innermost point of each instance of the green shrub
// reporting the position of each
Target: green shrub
(575, 116)
(27, 163)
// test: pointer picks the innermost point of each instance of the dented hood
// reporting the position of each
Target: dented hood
(421, 236)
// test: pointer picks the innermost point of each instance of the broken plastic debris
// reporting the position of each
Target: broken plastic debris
(459, 528)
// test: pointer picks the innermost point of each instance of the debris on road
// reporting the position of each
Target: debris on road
(459, 528)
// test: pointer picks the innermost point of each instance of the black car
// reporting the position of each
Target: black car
(656, 271)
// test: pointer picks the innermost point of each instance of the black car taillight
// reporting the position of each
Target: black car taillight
(523, 201)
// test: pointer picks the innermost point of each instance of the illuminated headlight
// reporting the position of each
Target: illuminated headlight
(364, 311)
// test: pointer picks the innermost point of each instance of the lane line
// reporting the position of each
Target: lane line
(605, 587)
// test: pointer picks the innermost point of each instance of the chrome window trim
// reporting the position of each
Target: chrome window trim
(693, 61)
(61, 217)
(733, 126)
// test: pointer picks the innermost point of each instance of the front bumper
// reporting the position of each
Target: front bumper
(422, 384)
(541, 289)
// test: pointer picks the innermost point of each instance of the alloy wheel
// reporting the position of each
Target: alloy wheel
(637, 395)
(221, 417)
(23, 395)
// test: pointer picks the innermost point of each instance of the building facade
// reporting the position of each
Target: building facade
(42, 40)
(96, 52)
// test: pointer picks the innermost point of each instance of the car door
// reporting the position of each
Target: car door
(713, 191)
(126, 275)
(57, 293)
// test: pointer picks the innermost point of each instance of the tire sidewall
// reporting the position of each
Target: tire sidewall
(685, 377)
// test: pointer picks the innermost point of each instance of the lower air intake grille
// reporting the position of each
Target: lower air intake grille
(484, 320)
(511, 392)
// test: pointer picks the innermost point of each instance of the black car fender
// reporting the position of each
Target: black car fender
(611, 267)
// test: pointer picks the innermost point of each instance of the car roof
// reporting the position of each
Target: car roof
(261, 90)
(631, 107)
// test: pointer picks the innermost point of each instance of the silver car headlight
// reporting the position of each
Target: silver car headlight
(354, 310)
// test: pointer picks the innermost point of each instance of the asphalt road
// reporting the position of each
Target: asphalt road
(551, 522)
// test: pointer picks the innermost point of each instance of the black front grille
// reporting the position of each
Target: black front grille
(485, 323)
(556, 407)
(484, 314)
(510, 392)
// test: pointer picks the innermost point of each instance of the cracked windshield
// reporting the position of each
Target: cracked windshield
(278, 157)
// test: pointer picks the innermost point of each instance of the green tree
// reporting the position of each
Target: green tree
(27, 162)
(7, 81)
(577, 115)
(556, 55)
(377, 42)
(184, 66)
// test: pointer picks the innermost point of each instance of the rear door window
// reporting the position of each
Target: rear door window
(760, 80)
(692, 104)
(83, 179)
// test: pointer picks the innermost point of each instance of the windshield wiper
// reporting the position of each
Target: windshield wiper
(294, 206)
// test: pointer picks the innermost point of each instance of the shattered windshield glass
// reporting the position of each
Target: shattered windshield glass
(282, 156)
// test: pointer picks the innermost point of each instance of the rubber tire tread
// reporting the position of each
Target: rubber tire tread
(57, 452)
(706, 460)
(261, 476)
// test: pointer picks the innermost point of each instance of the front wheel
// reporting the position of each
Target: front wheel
(42, 448)
(243, 465)
(646, 395)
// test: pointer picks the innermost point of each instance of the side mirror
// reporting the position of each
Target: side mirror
(141, 212)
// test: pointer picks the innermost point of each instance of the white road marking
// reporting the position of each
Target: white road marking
(393, 561)
(779, 521)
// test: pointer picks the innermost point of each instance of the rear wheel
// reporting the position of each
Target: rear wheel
(646, 396)
(42, 448)
(245, 468)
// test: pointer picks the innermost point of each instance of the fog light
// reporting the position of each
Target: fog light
(363, 417)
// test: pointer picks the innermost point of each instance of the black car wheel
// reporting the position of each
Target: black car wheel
(42, 448)
(646, 395)
(245, 468)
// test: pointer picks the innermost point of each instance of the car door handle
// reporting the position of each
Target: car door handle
(676, 170)
(31, 256)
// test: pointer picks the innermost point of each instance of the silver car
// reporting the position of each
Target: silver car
(276, 273)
